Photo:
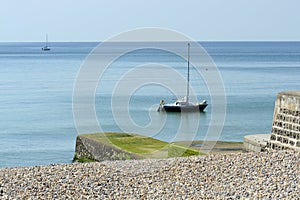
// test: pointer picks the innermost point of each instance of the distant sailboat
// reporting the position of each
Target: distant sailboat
(46, 48)
(183, 105)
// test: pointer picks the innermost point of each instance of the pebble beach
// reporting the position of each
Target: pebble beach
(267, 175)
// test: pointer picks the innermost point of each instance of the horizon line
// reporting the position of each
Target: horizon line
(91, 41)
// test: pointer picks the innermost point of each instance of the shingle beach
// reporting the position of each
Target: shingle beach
(267, 175)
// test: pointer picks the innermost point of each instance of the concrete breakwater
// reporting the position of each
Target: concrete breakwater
(124, 146)
(266, 175)
(99, 150)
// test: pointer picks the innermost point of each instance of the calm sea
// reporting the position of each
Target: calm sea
(36, 117)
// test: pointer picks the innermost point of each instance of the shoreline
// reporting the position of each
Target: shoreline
(221, 147)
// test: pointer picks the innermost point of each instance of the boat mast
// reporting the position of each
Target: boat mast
(46, 40)
(188, 76)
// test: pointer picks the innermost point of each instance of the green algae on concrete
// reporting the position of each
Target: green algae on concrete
(123, 146)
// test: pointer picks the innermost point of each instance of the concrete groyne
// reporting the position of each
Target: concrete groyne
(124, 146)
(99, 150)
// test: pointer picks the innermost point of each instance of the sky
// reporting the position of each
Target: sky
(98, 20)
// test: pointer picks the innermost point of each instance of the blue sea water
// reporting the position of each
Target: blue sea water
(36, 116)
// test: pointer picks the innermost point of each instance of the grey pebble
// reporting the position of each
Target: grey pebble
(267, 175)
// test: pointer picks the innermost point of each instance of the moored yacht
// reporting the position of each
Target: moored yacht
(183, 105)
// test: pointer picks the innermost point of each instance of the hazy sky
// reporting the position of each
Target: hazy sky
(97, 20)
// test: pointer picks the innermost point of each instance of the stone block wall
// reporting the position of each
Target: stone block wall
(286, 122)
(100, 151)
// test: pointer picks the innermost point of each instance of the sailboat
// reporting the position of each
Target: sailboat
(46, 48)
(183, 105)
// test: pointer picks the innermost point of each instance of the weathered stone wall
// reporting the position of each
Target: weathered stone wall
(286, 122)
(99, 151)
